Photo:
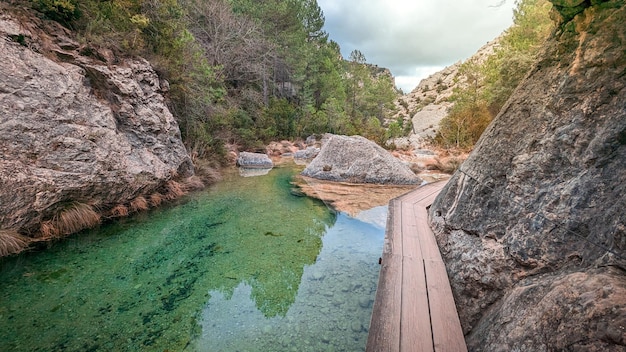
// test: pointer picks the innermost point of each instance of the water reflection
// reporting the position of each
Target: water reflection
(331, 310)
(144, 283)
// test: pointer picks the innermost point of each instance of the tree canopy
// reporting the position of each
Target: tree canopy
(240, 71)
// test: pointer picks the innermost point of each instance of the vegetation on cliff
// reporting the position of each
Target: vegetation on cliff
(240, 71)
(489, 84)
(246, 72)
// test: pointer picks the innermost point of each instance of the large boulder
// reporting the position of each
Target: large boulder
(249, 160)
(532, 226)
(307, 154)
(77, 132)
(358, 160)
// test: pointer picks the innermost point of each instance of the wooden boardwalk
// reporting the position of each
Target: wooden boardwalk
(414, 308)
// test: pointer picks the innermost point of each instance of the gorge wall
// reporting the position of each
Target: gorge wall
(532, 227)
(429, 103)
(82, 133)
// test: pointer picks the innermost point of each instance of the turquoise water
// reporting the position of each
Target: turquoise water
(243, 266)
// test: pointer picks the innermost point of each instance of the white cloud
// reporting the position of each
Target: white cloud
(409, 36)
(410, 80)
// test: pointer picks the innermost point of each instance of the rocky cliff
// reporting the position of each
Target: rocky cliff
(428, 104)
(532, 227)
(82, 134)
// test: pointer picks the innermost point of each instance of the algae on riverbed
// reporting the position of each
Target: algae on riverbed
(142, 283)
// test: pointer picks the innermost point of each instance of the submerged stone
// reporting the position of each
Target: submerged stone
(356, 326)
(246, 172)
(364, 302)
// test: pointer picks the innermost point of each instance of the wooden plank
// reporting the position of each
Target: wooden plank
(395, 221)
(415, 328)
(408, 226)
(384, 332)
(447, 332)
(428, 243)
(414, 308)
(426, 201)
(393, 239)
(423, 192)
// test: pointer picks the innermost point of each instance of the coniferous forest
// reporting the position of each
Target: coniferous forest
(240, 71)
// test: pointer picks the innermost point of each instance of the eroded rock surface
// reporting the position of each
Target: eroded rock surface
(532, 227)
(76, 128)
(307, 154)
(359, 160)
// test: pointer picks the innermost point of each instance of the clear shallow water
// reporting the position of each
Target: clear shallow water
(244, 266)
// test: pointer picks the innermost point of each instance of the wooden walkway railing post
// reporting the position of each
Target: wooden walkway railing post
(414, 308)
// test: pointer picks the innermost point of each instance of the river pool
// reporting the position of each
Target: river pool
(242, 266)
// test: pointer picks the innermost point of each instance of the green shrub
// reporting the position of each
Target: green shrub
(394, 130)
(62, 11)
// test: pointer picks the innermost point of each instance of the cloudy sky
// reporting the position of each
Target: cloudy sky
(415, 38)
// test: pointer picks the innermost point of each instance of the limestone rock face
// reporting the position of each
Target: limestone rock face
(308, 153)
(428, 103)
(533, 227)
(76, 129)
(358, 160)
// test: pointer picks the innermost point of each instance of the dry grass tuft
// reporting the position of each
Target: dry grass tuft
(119, 211)
(139, 204)
(193, 183)
(208, 173)
(416, 168)
(78, 216)
(49, 230)
(174, 190)
(12, 242)
(448, 165)
(156, 199)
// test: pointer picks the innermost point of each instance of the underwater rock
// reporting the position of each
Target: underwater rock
(365, 302)
(356, 326)
(317, 275)
(246, 172)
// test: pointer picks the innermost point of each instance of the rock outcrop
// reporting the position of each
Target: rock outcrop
(532, 227)
(428, 103)
(358, 160)
(254, 161)
(307, 154)
(78, 133)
